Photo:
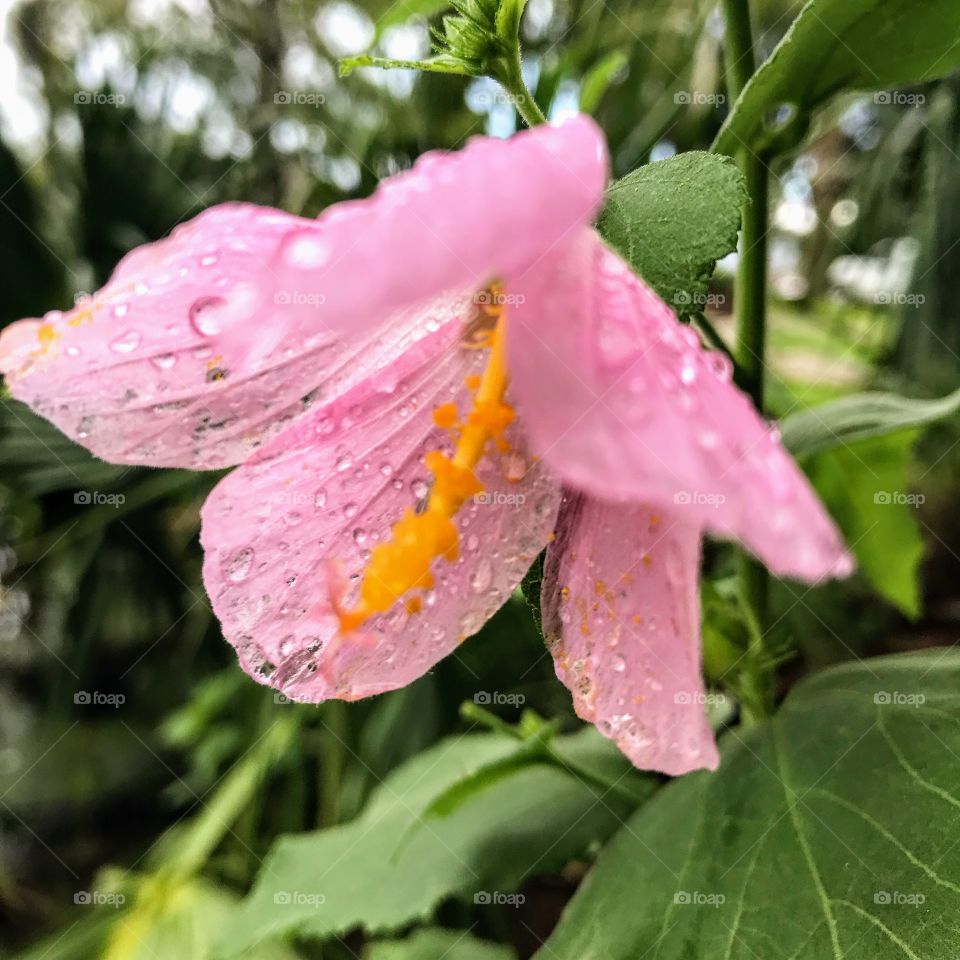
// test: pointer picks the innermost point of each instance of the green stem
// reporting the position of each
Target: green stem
(740, 62)
(751, 313)
(523, 101)
(333, 760)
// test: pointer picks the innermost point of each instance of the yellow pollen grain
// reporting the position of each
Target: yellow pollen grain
(46, 334)
(404, 562)
(446, 416)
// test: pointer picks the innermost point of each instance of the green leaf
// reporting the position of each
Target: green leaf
(836, 45)
(821, 835)
(673, 219)
(859, 417)
(530, 590)
(380, 874)
(439, 64)
(865, 488)
(446, 944)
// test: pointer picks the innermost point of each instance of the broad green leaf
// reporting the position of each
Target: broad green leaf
(864, 486)
(434, 944)
(825, 835)
(380, 874)
(836, 45)
(673, 219)
(859, 417)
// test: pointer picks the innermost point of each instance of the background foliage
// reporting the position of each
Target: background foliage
(155, 803)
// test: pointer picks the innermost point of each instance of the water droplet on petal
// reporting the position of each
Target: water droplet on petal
(165, 360)
(308, 252)
(238, 566)
(482, 577)
(204, 315)
(126, 342)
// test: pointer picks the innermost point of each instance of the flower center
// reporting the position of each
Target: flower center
(403, 563)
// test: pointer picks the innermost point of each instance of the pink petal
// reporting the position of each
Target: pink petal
(623, 402)
(146, 371)
(287, 535)
(621, 614)
(455, 221)
(202, 345)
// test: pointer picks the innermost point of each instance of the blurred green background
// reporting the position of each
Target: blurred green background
(136, 761)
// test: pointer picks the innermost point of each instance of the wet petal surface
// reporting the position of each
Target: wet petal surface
(158, 366)
(288, 535)
(456, 220)
(623, 401)
(621, 615)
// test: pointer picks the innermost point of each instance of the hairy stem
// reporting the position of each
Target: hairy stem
(523, 100)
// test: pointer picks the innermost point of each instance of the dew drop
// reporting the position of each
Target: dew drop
(419, 488)
(482, 577)
(307, 252)
(164, 361)
(204, 315)
(238, 566)
(126, 343)
(320, 497)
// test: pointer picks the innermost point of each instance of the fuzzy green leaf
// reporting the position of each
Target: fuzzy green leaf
(673, 219)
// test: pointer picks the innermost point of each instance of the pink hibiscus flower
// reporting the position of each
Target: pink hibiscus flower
(423, 390)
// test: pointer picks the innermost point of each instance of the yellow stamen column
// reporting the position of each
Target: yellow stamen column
(403, 563)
